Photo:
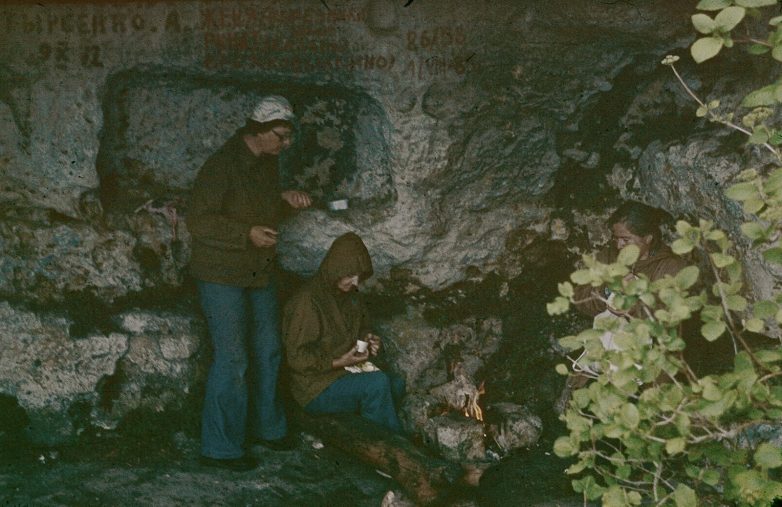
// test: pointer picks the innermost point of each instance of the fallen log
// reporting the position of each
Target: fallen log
(427, 479)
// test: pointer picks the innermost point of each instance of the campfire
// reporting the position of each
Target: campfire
(461, 393)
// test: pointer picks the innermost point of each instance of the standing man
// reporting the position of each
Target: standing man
(234, 212)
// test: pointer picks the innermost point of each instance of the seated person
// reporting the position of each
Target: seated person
(321, 324)
(633, 223)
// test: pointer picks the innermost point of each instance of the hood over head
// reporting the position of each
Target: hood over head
(347, 256)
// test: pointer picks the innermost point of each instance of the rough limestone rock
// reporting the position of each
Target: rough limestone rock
(426, 355)
(512, 426)
(458, 438)
(49, 372)
(436, 128)
(44, 260)
(471, 142)
(687, 174)
(159, 369)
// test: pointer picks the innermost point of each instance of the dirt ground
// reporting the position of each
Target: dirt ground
(110, 470)
(114, 469)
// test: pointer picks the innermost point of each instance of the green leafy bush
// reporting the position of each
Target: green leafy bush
(646, 426)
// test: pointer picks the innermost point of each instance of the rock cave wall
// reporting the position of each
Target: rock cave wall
(481, 145)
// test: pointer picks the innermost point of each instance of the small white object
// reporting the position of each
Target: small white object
(365, 367)
(361, 346)
(338, 205)
(383, 474)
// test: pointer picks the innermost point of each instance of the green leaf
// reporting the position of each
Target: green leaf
(682, 227)
(581, 277)
(616, 497)
(768, 456)
(562, 369)
(713, 5)
(754, 325)
(630, 416)
(703, 23)
(715, 235)
(711, 477)
(758, 49)
(705, 48)
(729, 17)
(773, 255)
(774, 183)
(718, 408)
(765, 309)
(683, 423)
(712, 330)
(742, 191)
(721, 260)
(753, 205)
(761, 97)
(559, 306)
(776, 53)
(701, 111)
(755, 3)
(682, 246)
(687, 277)
(710, 391)
(775, 20)
(754, 231)
(759, 136)
(565, 289)
(769, 356)
(675, 445)
(736, 302)
(684, 496)
(563, 447)
(628, 255)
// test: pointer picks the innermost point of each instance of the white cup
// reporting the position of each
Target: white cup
(337, 205)
(361, 346)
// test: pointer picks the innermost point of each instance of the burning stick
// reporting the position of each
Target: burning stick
(461, 393)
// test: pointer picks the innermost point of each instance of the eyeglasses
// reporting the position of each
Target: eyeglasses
(287, 137)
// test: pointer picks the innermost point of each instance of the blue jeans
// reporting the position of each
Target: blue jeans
(244, 328)
(372, 394)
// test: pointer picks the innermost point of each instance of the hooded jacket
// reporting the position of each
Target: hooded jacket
(662, 261)
(321, 323)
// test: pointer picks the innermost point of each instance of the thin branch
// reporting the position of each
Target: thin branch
(716, 118)
(754, 41)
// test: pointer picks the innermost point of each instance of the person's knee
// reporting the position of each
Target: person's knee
(377, 384)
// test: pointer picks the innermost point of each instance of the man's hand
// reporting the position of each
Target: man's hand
(297, 199)
(349, 358)
(374, 343)
(263, 236)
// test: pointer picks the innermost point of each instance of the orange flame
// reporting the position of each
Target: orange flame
(472, 409)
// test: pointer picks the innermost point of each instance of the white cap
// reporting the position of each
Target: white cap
(272, 107)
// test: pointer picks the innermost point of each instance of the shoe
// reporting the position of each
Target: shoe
(286, 443)
(242, 464)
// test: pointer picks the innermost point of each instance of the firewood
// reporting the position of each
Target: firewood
(427, 479)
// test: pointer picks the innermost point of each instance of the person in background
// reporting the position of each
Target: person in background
(235, 208)
(633, 223)
(321, 325)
